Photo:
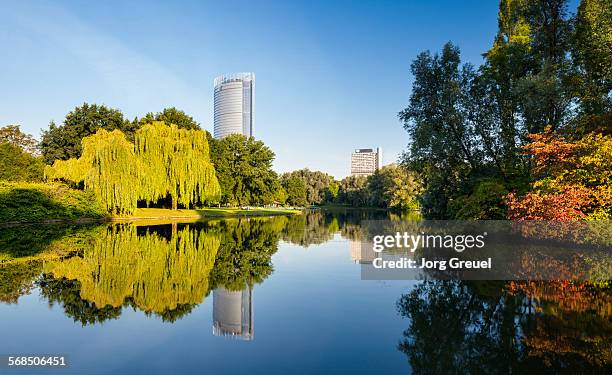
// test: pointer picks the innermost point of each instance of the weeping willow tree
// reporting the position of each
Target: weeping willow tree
(71, 170)
(153, 273)
(114, 170)
(164, 161)
(176, 164)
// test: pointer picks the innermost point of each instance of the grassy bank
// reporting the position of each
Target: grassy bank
(54, 202)
(201, 213)
(28, 202)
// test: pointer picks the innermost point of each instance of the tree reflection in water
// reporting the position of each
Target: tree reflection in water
(496, 327)
(166, 270)
(155, 274)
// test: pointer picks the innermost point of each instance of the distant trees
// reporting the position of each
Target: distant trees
(296, 190)
(353, 191)
(320, 186)
(392, 186)
(19, 160)
(165, 161)
(12, 134)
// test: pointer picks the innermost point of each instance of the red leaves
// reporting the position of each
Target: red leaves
(566, 205)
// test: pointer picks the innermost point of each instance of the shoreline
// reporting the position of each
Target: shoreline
(166, 214)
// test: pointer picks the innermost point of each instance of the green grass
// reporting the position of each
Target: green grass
(24, 202)
(163, 213)
(29, 202)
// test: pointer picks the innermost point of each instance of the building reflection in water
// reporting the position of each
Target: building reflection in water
(362, 254)
(233, 313)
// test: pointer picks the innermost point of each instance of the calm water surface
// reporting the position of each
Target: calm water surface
(274, 295)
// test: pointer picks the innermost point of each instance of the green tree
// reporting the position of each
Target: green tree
(354, 191)
(165, 162)
(592, 56)
(176, 162)
(170, 115)
(401, 188)
(244, 169)
(317, 185)
(64, 141)
(19, 165)
(442, 144)
(296, 190)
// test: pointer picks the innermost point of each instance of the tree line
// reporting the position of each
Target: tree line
(527, 133)
(165, 159)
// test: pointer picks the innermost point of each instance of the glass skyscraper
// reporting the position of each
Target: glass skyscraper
(234, 104)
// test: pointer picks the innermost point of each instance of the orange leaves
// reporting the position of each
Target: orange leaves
(568, 204)
(575, 179)
(551, 153)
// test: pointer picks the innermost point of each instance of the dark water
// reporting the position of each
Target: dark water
(275, 295)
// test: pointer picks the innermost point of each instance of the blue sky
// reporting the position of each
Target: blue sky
(331, 76)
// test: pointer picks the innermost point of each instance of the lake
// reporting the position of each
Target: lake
(275, 295)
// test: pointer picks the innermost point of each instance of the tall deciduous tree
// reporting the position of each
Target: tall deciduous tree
(176, 162)
(296, 190)
(441, 146)
(170, 115)
(165, 161)
(592, 56)
(18, 165)
(244, 170)
(64, 141)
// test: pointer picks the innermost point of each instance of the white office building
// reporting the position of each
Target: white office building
(366, 161)
(234, 104)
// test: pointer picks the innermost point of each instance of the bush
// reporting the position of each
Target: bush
(35, 202)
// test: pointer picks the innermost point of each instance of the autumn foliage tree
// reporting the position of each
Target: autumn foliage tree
(573, 179)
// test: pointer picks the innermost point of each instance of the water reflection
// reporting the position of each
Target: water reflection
(499, 327)
(233, 313)
(165, 271)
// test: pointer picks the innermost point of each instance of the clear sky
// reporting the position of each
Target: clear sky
(330, 77)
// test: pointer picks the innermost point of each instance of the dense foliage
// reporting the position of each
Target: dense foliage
(319, 186)
(64, 141)
(545, 70)
(32, 202)
(165, 161)
(390, 187)
(12, 134)
(19, 165)
(244, 170)
(573, 180)
(19, 156)
(170, 115)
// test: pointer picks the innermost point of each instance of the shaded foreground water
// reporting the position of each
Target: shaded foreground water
(278, 294)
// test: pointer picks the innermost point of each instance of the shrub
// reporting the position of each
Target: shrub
(34, 202)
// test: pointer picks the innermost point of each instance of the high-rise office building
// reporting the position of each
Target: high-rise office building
(365, 161)
(234, 104)
(233, 313)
